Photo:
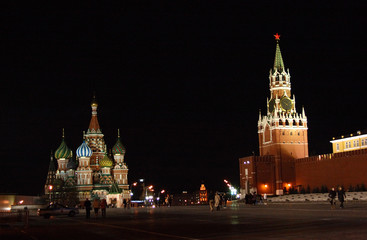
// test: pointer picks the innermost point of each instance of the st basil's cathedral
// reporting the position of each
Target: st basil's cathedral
(93, 173)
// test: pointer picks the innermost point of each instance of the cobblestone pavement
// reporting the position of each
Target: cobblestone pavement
(310, 220)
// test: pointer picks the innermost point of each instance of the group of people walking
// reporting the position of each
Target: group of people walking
(216, 200)
(97, 204)
(341, 197)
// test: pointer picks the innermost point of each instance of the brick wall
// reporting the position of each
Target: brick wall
(346, 169)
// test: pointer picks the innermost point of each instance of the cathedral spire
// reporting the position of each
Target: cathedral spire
(94, 125)
(278, 61)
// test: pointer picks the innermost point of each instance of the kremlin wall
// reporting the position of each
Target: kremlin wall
(284, 164)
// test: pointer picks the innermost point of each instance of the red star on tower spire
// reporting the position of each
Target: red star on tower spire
(277, 36)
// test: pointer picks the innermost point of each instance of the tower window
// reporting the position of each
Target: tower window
(337, 146)
(298, 133)
(346, 145)
(291, 133)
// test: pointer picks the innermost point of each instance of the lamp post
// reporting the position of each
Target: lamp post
(231, 188)
(50, 187)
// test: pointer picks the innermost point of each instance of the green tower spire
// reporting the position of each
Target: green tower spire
(278, 61)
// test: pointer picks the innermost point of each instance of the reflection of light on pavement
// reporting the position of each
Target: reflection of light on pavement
(234, 220)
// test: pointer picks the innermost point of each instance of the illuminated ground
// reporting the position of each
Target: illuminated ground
(313, 220)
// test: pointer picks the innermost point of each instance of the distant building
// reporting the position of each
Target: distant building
(350, 143)
(203, 195)
(94, 172)
(284, 164)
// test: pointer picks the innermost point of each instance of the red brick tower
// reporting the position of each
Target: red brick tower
(282, 131)
(95, 140)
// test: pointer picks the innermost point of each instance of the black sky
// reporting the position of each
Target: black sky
(183, 81)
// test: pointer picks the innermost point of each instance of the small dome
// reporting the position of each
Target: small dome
(94, 102)
(106, 161)
(63, 151)
(84, 150)
(118, 148)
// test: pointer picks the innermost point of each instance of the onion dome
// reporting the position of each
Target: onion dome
(118, 148)
(94, 102)
(106, 162)
(63, 151)
(84, 150)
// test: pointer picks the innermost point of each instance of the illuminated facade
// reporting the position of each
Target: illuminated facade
(284, 163)
(350, 143)
(282, 131)
(282, 135)
(94, 172)
(203, 194)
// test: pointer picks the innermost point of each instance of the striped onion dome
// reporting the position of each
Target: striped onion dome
(106, 162)
(84, 150)
(118, 148)
(63, 151)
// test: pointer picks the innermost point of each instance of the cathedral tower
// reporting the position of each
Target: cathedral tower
(62, 154)
(120, 169)
(282, 131)
(95, 140)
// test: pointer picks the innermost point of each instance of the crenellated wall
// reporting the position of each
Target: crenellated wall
(332, 170)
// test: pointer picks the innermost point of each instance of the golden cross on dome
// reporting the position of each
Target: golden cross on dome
(277, 36)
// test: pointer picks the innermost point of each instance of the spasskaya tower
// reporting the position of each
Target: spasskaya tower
(282, 131)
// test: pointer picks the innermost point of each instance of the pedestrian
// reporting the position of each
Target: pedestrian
(341, 196)
(265, 199)
(96, 205)
(166, 200)
(125, 203)
(103, 207)
(211, 200)
(225, 198)
(254, 198)
(87, 205)
(128, 203)
(332, 195)
(217, 201)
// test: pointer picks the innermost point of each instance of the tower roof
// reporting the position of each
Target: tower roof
(84, 150)
(52, 166)
(106, 161)
(118, 148)
(94, 125)
(278, 61)
(63, 150)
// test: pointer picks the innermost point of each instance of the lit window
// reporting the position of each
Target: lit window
(346, 145)
(337, 146)
(350, 144)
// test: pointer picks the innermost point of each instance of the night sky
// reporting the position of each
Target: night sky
(183, 81)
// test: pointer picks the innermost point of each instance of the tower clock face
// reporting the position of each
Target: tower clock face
(271, 105)
(286, 103)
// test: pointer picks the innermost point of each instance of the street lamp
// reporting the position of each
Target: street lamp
(50, 187)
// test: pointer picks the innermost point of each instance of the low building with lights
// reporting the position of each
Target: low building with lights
(350, 143)
(93, 173)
